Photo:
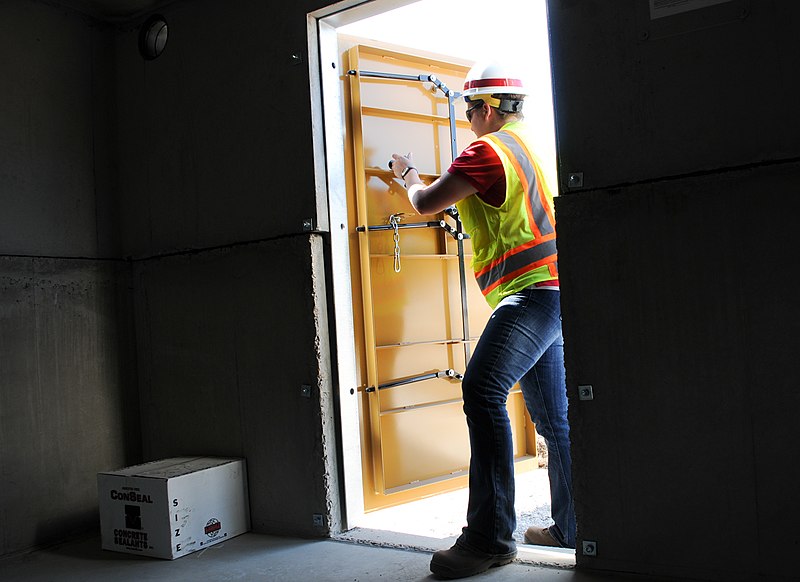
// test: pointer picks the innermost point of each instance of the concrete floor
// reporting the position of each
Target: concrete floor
(252, 557)
(394, 544)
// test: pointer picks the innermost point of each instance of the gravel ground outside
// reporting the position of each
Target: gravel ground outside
(443, 515)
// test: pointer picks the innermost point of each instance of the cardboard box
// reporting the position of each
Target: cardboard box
(173, 507)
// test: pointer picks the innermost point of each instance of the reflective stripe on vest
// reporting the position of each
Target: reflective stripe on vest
(534, 253)
(541, 221)
(516, 262)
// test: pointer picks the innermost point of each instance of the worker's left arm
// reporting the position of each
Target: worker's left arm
(442, 193)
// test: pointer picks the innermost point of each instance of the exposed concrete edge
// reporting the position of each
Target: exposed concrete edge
(325, 388)
(391, 539)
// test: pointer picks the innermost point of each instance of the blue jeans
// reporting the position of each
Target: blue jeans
(522, 343)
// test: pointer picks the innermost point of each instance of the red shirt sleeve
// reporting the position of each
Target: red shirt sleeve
(481, 167)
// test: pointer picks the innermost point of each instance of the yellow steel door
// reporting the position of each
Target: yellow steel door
(418, 309)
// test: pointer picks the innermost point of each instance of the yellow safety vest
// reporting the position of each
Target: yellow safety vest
(513, 246)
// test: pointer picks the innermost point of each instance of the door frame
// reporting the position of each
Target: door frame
(331, 207)
(328, 137)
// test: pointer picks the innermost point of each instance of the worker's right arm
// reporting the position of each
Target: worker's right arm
(442, 193)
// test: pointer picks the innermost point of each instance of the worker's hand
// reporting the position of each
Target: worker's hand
(400, 163)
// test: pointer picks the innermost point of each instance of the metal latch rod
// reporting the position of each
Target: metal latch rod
(449, 373)
(430, 224)
(431, 78)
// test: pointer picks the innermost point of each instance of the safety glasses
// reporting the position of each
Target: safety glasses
(473, 108)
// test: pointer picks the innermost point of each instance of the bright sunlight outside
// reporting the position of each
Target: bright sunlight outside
(519, 39)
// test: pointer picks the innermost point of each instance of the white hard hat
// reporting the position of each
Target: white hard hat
(491, 78)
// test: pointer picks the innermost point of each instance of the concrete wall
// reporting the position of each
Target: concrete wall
(68, 406)
(189, 167)
(215, 134)
(57, 175)
(184, 186)
(233, 361)
(678, 299)
(68, 399)
(216, 183)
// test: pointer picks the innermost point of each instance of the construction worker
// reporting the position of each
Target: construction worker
(506, 206)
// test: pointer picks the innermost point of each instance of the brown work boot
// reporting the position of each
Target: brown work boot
(460, 563)
(540, 536)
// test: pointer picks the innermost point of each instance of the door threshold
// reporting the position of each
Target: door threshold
(434, 523)
(546, 556)
(528, 554)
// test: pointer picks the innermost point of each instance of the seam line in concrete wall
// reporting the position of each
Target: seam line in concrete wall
(161, 255)
(61, 258)
(220, 247)
(675, 177)
(97, 16)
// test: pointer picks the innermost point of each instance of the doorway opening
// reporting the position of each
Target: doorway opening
(390, 486)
